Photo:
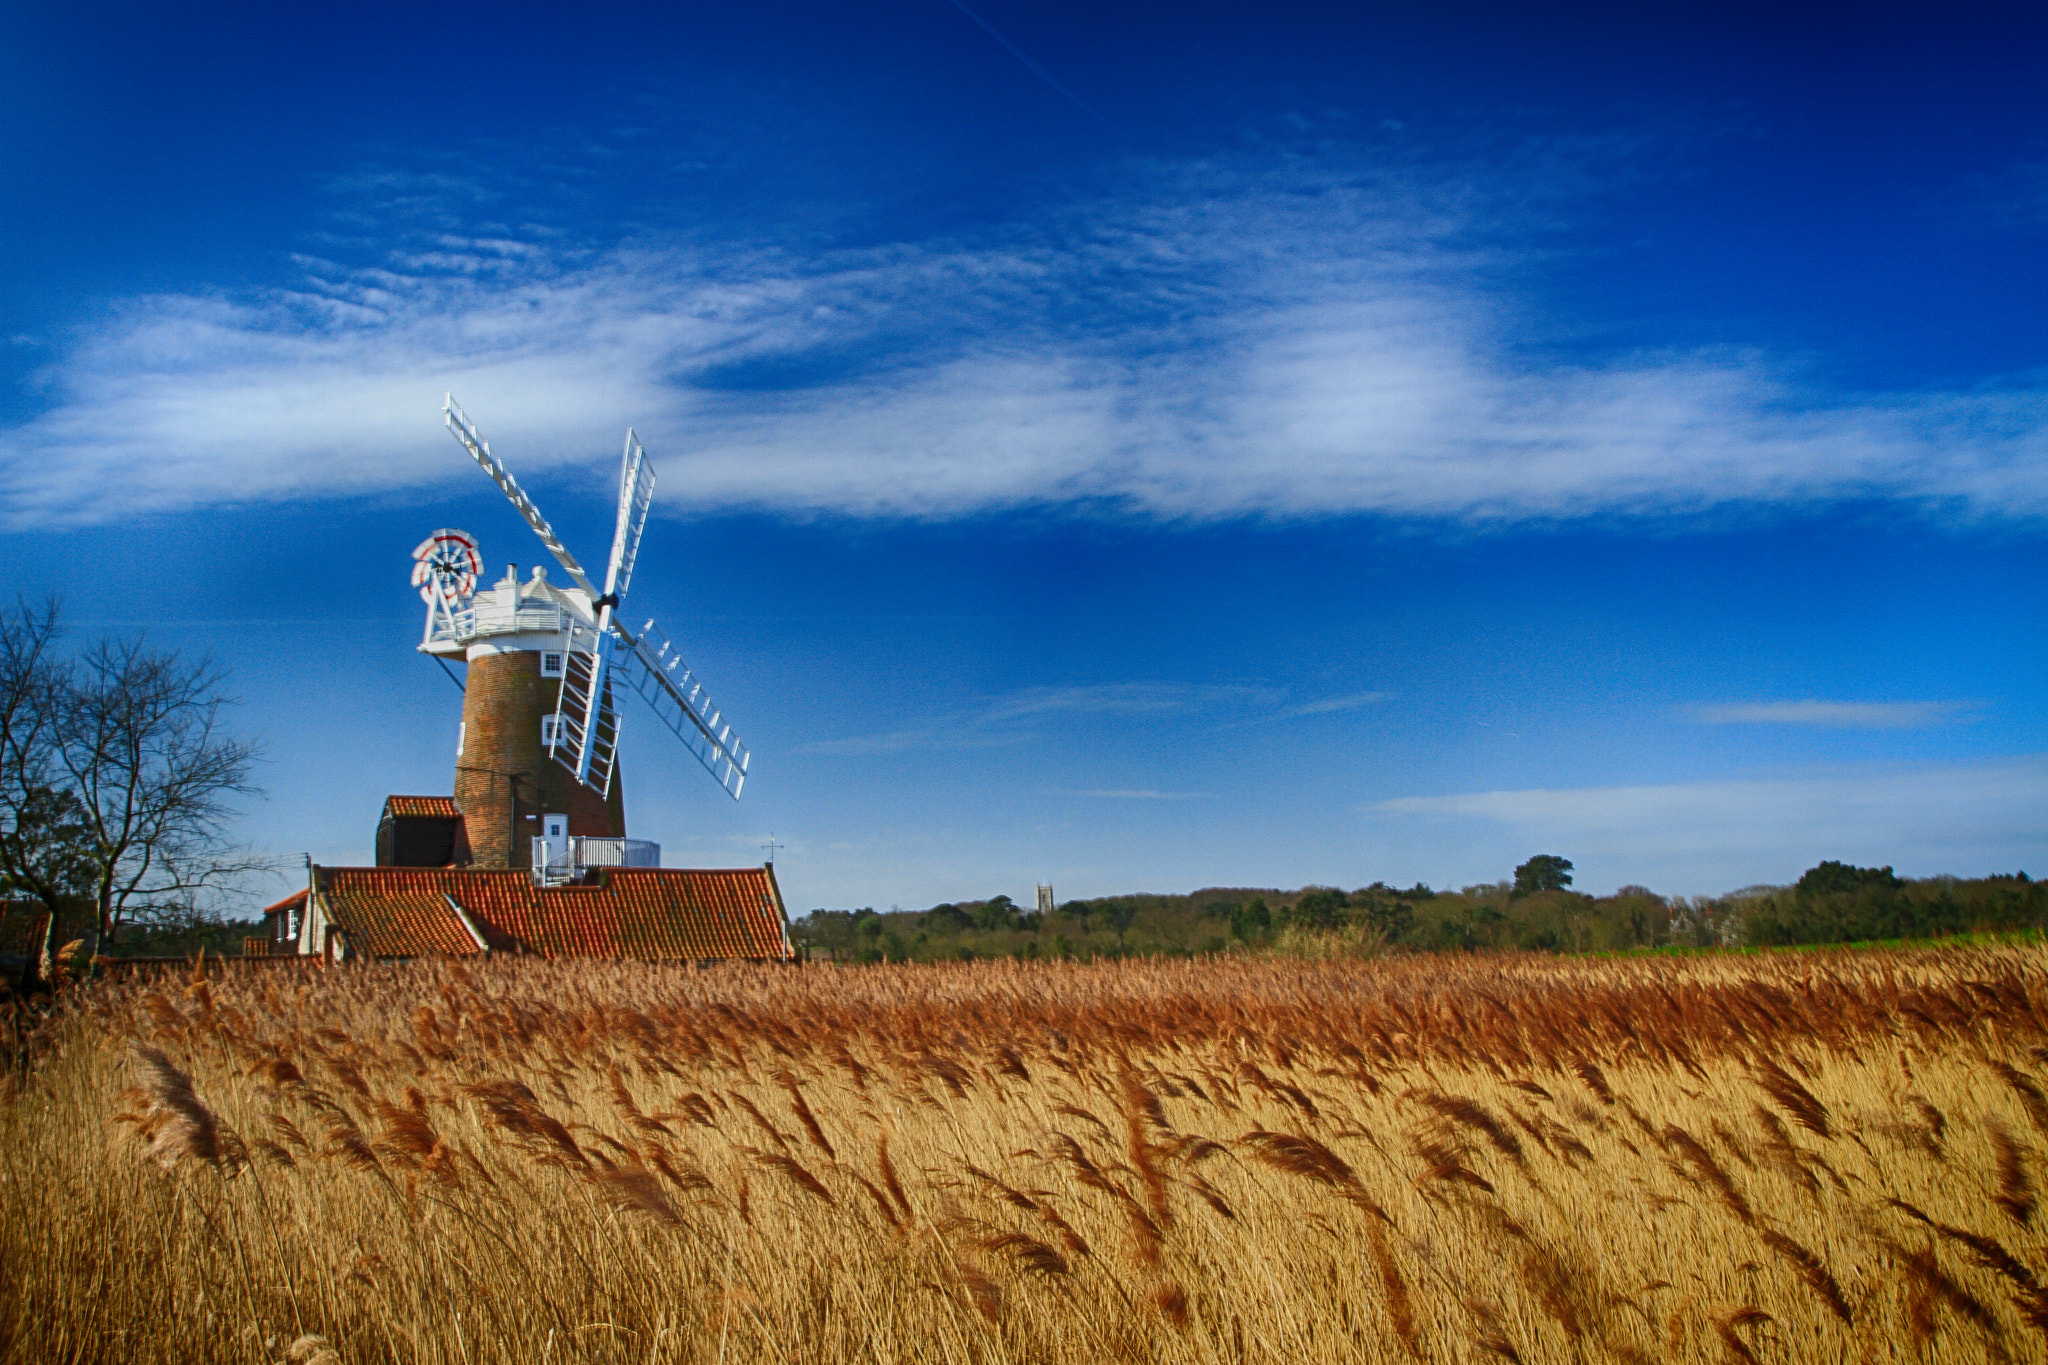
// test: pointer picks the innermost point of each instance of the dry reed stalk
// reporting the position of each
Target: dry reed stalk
(1069, 1238)
(1303, 1156)
(1596, 1081)
(791, 1169)
(2015, 1186)
(2032, 1298)
(1785, 1156)
(1075, 1111)
(804, 1114)
(1028, 1252)
(1170, 1301)
(1556, 1287)
(1707, 1169)
(633, 1190)
(1729, 1327)
(854, 1070)
(1451, 1172)
(1929, 1287)
(1470, 1114)
(1817, 1276)
(775, 1134)
(516, 1111)
(890, 1180)
(174, 1122)
(982, 1290)
(696, 1109)
(2030, 1096)
(1143, 1112)
(1003, 1191)
(1492, 1336)
(312, 1349)
(1400, 1307)
(889, 1214)
(629, 1110)
(1209, 1195)
(1937, 1124)
(1795, 1099)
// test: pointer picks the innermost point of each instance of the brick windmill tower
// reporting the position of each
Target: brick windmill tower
(536, 773)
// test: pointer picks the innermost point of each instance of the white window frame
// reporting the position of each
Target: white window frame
(550, 730)
(560, 657)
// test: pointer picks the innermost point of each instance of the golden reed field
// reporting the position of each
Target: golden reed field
(1793, 1157)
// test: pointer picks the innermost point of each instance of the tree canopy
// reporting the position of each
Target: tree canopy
(1544, 872)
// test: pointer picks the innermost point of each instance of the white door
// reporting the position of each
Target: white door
(555, 834)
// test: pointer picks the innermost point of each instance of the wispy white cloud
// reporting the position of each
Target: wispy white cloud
(1146, 795)
(1840, 715)
(1210, 343)
(1019, 716)
(1965, 818)
(1331, 705)
(1127, 699)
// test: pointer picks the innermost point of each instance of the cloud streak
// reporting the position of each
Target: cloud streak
(1835, 715)
(1211, 342)
(1146, 795)
(1022, 716)
(1332, 705)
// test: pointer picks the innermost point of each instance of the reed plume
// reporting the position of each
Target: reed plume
(1817, 1276)
(174, 1122)
(2015, 1185)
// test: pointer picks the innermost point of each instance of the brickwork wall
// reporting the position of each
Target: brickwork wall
(505, 781)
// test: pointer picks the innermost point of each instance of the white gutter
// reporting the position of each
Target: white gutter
(468, 924)
(781, 912)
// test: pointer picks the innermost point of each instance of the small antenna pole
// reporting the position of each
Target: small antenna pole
(771, 847)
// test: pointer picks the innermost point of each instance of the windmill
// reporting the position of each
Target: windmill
(540, 733)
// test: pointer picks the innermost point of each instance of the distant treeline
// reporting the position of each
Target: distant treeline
(1536, 910)
(174, 930)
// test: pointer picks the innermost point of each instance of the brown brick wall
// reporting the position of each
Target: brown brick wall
(505, 780)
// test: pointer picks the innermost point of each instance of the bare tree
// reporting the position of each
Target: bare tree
(116, 777)
(42, 849)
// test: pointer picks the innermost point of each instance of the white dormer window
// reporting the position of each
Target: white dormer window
(551, 663)
(550, 731)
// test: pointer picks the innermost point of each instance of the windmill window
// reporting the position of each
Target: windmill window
(550, 729)
(550, 664)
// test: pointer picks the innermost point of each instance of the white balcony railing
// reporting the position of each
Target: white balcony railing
(487, 615)
(558, 864)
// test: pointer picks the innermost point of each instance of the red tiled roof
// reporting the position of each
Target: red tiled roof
(296, 898)
(386, 915)
(654, 914)
(432, 807)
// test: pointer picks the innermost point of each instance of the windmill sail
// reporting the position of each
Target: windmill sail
(636, 493)
(586, 734)
(652, 668)
(480, 451)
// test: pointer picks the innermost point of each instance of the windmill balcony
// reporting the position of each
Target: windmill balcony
(489, 614)
(559, 864)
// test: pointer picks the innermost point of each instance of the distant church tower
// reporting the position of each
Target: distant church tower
(508, 789)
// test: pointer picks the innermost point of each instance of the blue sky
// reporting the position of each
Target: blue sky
(1134, 447)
